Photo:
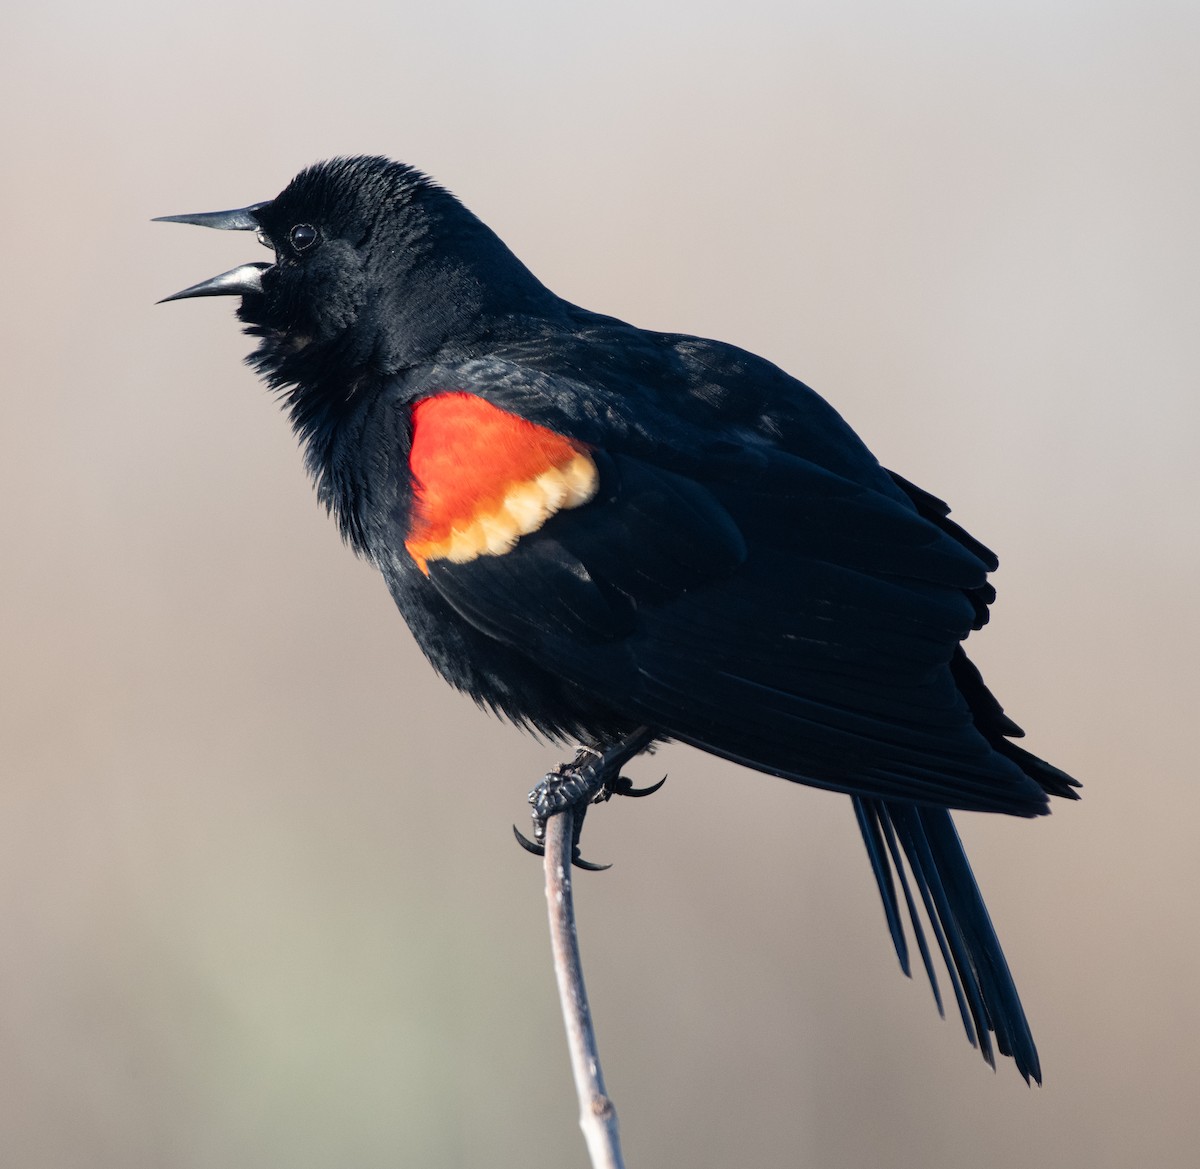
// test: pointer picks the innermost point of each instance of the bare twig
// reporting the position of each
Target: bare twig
(597, 1114)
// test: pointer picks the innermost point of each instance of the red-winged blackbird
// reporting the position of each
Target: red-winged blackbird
(619, 537)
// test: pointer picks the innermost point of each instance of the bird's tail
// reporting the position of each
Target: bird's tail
(983, 987)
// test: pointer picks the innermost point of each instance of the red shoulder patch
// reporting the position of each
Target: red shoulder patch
(483, 478)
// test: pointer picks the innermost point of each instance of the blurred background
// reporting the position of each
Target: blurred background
(259, 899)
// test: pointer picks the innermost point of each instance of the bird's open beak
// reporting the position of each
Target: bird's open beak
(247, 278)
(236, 282)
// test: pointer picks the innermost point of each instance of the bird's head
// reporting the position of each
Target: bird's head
(376, 268)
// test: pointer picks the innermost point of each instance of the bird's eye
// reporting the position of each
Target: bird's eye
(264, 239)
(303, 236)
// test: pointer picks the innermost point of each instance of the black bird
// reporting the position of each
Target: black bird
(619, 537)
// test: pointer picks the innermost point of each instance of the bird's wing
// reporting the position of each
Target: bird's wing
(738, 596)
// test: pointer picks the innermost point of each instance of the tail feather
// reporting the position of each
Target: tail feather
(872, 834)
(939, 935)
(880, 839)
(983, 987)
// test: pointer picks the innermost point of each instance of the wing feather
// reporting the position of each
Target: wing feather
(802, 624)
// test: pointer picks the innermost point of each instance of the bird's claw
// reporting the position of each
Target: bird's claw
(527, 844)
(540, 850)
(624, 787)
(592, 777)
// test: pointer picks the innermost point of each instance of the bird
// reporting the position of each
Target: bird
(617, 538)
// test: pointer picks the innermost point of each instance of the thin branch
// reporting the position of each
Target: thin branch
(597, 1114)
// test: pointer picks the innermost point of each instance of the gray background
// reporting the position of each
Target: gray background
(258, 898)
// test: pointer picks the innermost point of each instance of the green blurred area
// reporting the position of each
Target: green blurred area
(259, 898)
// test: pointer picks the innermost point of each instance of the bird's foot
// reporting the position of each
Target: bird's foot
(592, 777)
